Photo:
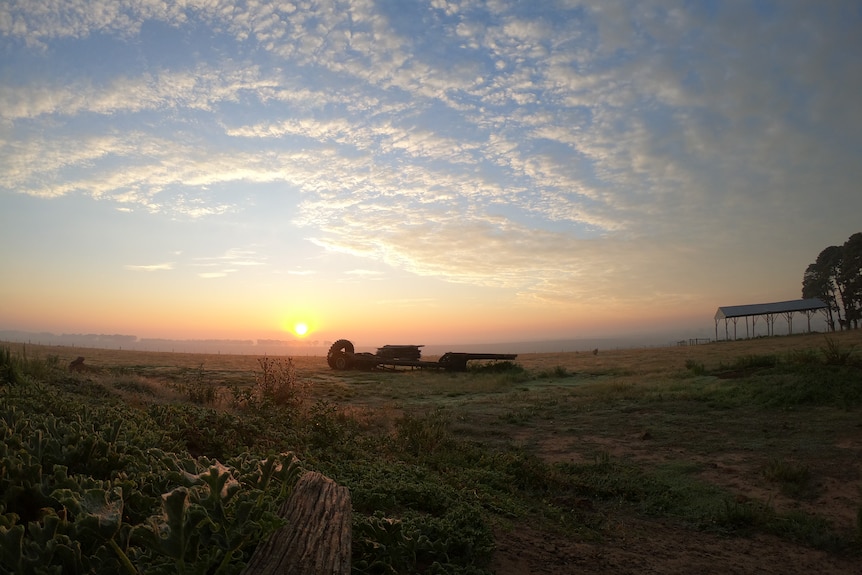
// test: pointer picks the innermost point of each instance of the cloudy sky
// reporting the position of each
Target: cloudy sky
(420, 171)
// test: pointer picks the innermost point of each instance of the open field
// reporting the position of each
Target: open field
(730, 457)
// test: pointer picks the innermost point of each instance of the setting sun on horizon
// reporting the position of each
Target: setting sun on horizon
(425, 172)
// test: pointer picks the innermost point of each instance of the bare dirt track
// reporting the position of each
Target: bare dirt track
(635, 545)
(630, 405)
(652, 547)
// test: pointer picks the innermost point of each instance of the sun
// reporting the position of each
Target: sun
(300, 329)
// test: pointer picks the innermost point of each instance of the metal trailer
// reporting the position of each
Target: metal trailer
(342, 356)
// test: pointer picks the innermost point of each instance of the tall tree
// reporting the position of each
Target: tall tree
(819, 281)
(850, 278)
(816, 285)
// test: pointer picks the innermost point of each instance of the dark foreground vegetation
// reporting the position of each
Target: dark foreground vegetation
(118, 470)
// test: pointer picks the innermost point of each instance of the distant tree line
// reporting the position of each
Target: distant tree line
(836, 278)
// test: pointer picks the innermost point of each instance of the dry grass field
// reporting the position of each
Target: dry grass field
(683, 429)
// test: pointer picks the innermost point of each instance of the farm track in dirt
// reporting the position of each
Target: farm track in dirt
(632, 405)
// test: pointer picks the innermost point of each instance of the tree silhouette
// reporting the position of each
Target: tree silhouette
(836, 278)
(850, 277)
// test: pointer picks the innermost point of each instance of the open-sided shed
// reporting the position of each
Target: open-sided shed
(769, 311)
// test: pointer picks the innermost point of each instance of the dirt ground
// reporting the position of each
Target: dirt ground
(634, 545)
(654, 547)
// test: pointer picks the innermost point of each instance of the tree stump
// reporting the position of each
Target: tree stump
(77, 364)
(317, 537)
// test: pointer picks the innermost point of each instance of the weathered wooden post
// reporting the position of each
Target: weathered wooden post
(317, 538)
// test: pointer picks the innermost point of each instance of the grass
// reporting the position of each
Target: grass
(835, 353)
(739, 438)
(795, 479)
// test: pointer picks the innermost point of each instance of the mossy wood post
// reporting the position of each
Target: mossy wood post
(317, 537)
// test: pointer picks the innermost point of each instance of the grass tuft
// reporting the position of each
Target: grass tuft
(794, 479)
(696, 367)
(836, 354)
(557, 372)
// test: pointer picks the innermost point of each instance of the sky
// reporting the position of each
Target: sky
(393, 171)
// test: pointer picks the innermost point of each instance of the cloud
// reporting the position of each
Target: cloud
(201, 88)
(230, 262)
(242, 257)
(407, 303)
(363, 273)
(151, 267)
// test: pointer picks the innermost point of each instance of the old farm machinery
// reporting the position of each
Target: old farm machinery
(342, 356)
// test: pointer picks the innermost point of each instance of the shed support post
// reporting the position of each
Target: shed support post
(789, 317)
(770, 324)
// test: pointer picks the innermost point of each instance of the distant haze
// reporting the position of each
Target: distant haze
(320, 347)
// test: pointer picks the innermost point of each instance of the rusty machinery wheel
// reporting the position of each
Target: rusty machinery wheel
(453, 361)
(339, 349)
(341, 361)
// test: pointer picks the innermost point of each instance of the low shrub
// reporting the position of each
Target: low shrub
(497, 367)
(557, 372)
(277, 383)
(836, 354)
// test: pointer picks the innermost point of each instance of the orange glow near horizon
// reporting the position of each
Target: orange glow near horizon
(203, 314)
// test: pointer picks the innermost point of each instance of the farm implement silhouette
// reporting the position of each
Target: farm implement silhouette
(342, 356)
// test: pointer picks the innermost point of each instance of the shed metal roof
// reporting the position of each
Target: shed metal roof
(795, 305)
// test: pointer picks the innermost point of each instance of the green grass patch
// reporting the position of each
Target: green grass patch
(794, 479)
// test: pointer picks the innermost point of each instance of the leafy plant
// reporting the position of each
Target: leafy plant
(387, 545)
(76, 496)
(211, 520)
